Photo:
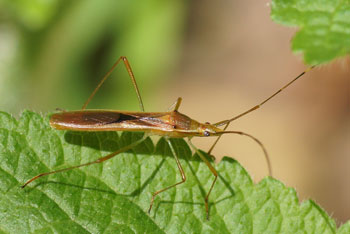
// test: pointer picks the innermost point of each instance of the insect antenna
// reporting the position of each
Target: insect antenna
(267, 158)
(228, 121)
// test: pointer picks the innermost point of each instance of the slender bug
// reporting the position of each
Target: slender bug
(170, 124)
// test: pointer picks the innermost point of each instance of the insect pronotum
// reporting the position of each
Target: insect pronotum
(170, 124)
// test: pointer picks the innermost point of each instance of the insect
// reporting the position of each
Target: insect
(170, 124)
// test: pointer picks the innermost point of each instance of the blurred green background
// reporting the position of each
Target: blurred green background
(222, 57)
(61, 49)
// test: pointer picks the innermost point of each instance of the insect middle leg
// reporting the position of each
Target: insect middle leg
(132, 77)
(212, 169)
(183, 176)
(100, 160)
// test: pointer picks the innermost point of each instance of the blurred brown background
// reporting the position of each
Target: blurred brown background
(222, 57)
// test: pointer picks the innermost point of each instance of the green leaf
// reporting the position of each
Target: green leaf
(114, 196)
(345, 229)
(324, 27)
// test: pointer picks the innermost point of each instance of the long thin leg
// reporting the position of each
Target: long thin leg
(212, 169)
(132, 77)
(100, 160)
(228, 121)
(183, 176)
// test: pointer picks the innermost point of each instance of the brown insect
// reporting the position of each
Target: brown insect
(171, 124)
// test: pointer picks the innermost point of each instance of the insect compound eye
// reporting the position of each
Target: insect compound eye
(206, 133)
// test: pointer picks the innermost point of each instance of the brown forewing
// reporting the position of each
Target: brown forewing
(105, 120)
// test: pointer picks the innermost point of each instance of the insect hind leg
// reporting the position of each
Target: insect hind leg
(100, 160)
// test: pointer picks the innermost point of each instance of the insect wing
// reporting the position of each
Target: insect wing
(100, 120)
